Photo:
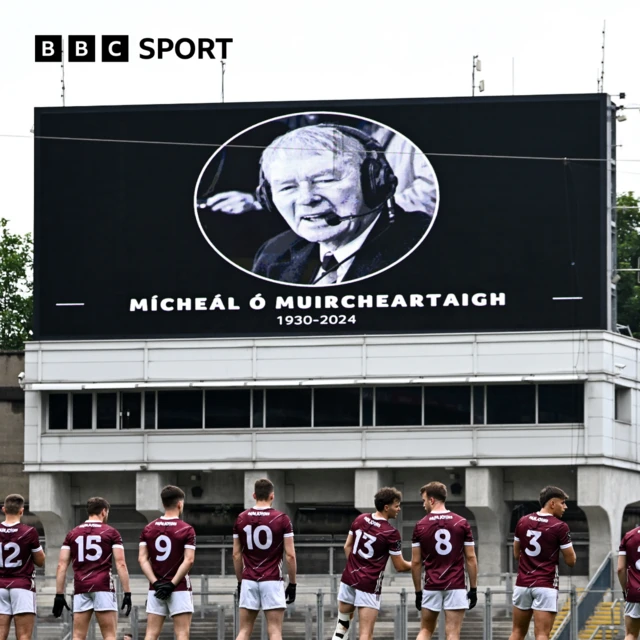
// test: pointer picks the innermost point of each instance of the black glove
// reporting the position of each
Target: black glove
(472, 595)
(419, 600)
(164, 590)
(290, 593)
(59, 604)
(126, 602)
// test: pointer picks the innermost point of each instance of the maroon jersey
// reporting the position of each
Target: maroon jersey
(374, 539)
(630, 547)
(166, 539)
(261, 532)
(541, 536)
(442, 537)
(18, 543)
(91, 545)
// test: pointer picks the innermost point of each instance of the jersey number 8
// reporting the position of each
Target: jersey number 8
(443, 542)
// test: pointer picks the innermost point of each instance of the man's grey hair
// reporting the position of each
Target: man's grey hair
(314, 139)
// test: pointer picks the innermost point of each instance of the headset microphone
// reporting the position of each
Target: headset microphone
(333, 219)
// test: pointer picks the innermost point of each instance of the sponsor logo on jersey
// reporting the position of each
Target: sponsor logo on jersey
(160, 523)
(431, 518)
(4, 530)
(373, 522)
(537, 519)
(90, 525)
(260, 513)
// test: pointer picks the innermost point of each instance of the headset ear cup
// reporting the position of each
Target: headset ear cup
(378, 182)
(263, 193)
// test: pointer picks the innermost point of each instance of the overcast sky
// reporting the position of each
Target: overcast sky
(333, 49)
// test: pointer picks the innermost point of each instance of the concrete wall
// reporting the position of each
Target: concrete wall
(12, 477)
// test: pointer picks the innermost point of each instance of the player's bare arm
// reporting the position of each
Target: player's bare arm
(400, 564)
(237, 559)
(516, 549)
(185, 566)
(471, 561)
(416, 567)
(622, 572)
(292, 564)
(121, 568)
(348, 545)
(569, 555)
(38, 558)
(145, 564)
(63, 565)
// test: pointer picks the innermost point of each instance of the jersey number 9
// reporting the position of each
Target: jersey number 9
(163, 547)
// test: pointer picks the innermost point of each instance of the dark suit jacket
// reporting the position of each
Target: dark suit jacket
(289, 258)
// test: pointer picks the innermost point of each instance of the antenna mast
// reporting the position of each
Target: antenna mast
(222, 64)
(601, 79)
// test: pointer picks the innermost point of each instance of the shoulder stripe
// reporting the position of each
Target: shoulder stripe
(189, 546)
(415, 544)
(143, 544)
(566, 546)
(469, 544)
(395, 553)
(117, 546)
(288, 535)
(36, 550)
(235, 535)
(64, 546)
(622, 553)
(516, 539)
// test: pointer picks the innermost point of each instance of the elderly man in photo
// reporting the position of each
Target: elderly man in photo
(334, 187)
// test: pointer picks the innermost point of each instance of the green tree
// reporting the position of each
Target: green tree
(628, 234)
(16, 288)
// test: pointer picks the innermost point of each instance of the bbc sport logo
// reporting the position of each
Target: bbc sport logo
(116, 48)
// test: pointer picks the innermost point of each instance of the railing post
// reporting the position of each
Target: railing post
(204, 591)
(308, 623)
(574, 631)
(34, 635)
(320, 615)
(236, 614)
(263, 626)
(334, 591)
(403, 615)
(134, 623)
(442, 635)
(397, 632)
(488, 616)
(353, 627)
(331, 550)
(508, 586)
(223, 567)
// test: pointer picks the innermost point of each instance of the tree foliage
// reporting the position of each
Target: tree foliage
(628, 235)
(16, 288)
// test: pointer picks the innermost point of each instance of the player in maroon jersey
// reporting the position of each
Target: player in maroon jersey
(629, 577)
(370, 542)
(91, 548)
(539, 540)
(20, 550)
(442, 543)
(167, 553)
(260, 537)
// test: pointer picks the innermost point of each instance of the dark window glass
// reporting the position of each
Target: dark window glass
(511, 404)
(398, 406)
(336, 407)
(149, 409)
(258, 408)
(228, 408)
(288, 407)
(447, 405)
(106, 410)
(131, 410)
(179, 409)
(560, 403)
(367, 406)
(82, 403)
(58, 410)
(478, 405)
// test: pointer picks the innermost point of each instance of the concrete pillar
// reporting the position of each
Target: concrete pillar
(484, 490)
(50, 500)
(149, 484)
(277, 477)
(603, 494)
(367, 483)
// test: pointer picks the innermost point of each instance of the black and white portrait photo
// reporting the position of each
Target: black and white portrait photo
(316, 199)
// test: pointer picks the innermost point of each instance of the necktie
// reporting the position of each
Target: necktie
(329, 267)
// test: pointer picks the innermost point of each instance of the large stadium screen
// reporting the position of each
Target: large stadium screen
(320, 218)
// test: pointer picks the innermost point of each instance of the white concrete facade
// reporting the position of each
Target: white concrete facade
(499, 464)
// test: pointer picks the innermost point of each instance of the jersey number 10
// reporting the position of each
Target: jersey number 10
(254, 537)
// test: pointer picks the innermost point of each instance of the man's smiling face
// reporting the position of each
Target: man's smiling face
(309, 186)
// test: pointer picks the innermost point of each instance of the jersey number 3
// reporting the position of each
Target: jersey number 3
(535, 545)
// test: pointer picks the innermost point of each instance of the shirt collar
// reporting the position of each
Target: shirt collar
(169, 518)
(347, 250)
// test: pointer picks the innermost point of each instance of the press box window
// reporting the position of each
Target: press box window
(560, 403)
(82, 410)
(288, 407)
(227, 409)
(179, 409)
(447, 405)
(336, 407)
(623, 404)
(106, 410)
(511, 404)
(131, 410)
(58, 411)
(398, 406)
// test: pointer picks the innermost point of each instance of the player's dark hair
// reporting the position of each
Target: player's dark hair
(435, 490)
(95, 506)
(386, 495)
(13, 503)
(263, 489)
(549, 493)
(170, 496)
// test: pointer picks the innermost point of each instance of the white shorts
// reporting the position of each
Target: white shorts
(178, 602)
(536, 598)
(351, 595)
(16, 601)
(632, 609)
(262, 595)
(448, 599)
(96, 601)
